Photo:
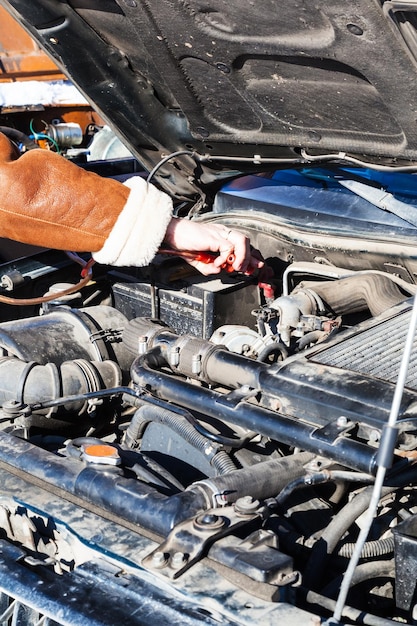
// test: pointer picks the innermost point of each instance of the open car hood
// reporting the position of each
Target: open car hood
(203, 450)
(236, 83)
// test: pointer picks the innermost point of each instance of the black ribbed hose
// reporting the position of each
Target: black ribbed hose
(352, 294)
(146, 414)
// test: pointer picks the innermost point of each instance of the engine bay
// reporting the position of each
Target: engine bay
(236, 449)
(234, 423)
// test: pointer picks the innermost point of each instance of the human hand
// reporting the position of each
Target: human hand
(186, 235)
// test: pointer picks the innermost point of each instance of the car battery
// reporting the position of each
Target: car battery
(195, 304)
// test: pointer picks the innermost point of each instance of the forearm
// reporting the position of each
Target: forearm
(46, 200)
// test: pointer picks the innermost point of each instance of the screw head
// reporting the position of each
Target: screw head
(246, 505)
(209, 521)
(342, 421)
(159, 559)
(178, 559)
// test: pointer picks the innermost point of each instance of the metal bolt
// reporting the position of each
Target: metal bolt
(174, 356)
(14, 408)
(246, 505)
(196, 364)
(178, 559)
(342, 421)
(142, 344)
(159, 559)
(209, 518)
(374, 436)
(208, 449)
(209, 521)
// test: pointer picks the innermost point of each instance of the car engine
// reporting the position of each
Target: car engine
(223, 427)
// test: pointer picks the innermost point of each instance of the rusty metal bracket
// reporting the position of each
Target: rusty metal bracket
(334, 430)
(190, 540)
(235, 397)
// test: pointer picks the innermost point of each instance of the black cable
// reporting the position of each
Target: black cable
(165, 160)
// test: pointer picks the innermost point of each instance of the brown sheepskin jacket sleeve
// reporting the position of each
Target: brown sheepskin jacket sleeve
(48, 201)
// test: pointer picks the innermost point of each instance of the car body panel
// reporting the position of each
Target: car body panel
(205, 450)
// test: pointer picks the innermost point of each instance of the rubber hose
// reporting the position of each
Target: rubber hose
(220, 460)
(223, 463)
(333, 533)
(320, 478)
(370, 550)
(363, 572)
(357, 293)
(312, 598)
(276, 349)
(150, 413)
(30, 383)
(261, 481)
(19, 138)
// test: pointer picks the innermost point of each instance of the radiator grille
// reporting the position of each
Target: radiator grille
(376, 351)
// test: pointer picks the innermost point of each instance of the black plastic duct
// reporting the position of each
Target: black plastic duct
(65, 334)
(66, 352)
(29, 384)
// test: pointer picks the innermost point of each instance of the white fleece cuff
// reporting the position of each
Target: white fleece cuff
(140, 227)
